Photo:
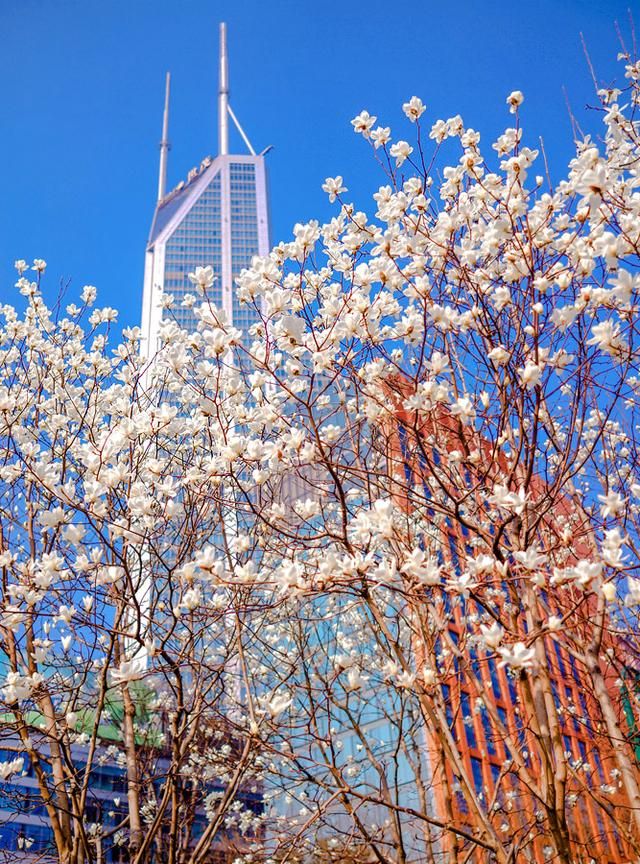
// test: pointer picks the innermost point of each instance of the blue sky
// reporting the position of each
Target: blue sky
(82, 91)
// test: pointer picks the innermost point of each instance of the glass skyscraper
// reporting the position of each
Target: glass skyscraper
(217, 217)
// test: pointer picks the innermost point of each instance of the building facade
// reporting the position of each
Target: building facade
(488, 706)
(217, 217)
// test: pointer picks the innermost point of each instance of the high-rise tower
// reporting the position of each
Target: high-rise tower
(218, 216)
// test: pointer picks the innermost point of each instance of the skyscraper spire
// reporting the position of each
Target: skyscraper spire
(223, 95)
(164, 144)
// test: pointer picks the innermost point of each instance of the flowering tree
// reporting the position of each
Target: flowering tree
(113, 668)
(376, 561)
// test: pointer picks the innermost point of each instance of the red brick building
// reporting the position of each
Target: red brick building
(533, 781)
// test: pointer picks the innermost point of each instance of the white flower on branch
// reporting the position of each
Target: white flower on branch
(18, 687)
(499, 355)
(203, 278)
(128, 670)
(514, 100)
(422, 567)
(414, 109)
(632, 597)
(517, 656)
(400, 151)
(613, 504)
(607, 338)
(363, 123)
(14, 766)
(492, 635)
(333, 186)
(530, 558)
(530, 374)
(464, 410)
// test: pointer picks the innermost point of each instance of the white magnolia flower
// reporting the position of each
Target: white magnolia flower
(530, 558)
(507, 500)
(128, 670)
(65, 614)
(333, 187)
(517, 656)
(499, 355)
(380, 136)
(89, 294)
(354, 679)
(363, 123)
(530, 374)
(400, 151)
(203, 277)
(464, 410)
(633, 592)
(585, 571)
(110, 575)
(492, 635)
(414, 109)
(18, 687)
(606, 336)
(428, 676)
(405, 680)
(438, 363)
(87, 603)
(613, 504)
(277, 704)
(191, 599)
(514, 100)
(12, 618)
(13, 767)
(612, 553)
(422, 567)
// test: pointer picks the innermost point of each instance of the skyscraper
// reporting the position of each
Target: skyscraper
(217, 217)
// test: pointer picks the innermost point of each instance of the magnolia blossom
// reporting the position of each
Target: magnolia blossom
(380, 136)
(128, 670)
(400, 151)
(492, 635)
(333, 187)
(422, 567)
(530, 374)
(530, 558)
(612, 504)
(508, 500)
(633, 592)
(18, 687)
(606, 336)
(12, 767)
(517, 656)
(277, 704)
(363, 123)
(414, 109)
(463, 409)
(203, 277)
(514, 100)
(499, 355)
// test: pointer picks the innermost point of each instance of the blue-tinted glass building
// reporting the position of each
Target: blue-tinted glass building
(218, 217)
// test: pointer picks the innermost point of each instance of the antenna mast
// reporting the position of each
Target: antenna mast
(165, 146)
(223, 95)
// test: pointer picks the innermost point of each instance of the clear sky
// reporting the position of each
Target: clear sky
(82, 91)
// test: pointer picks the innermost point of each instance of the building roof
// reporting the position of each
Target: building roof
(197, 180)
